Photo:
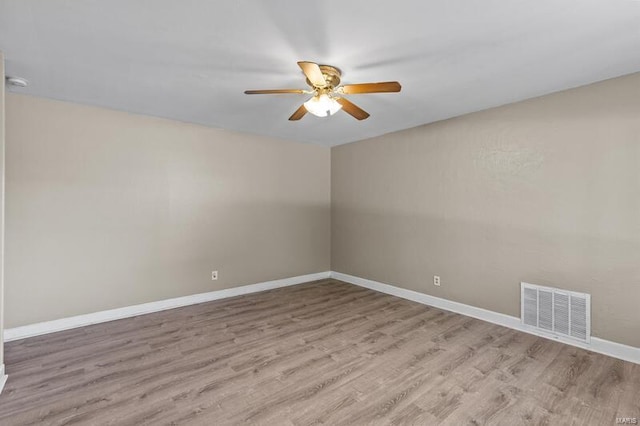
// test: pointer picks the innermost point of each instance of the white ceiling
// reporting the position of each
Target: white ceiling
(191, 60)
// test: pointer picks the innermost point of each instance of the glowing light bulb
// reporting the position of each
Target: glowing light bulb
(322, 105)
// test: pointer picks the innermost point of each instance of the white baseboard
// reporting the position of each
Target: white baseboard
(3, 377)
(32, 330)
(606, 347)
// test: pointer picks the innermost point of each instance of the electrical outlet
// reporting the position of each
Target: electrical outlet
(214, 275)
(436, 280)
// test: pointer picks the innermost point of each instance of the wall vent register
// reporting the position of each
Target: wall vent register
(555, 312)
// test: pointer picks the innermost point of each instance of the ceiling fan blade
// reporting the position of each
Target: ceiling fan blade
(352, 109)
(273, 91)
(313, 73)
(300, 112)
(387, 86)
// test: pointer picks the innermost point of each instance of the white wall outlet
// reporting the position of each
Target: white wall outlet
(214, 275)
(436, 280)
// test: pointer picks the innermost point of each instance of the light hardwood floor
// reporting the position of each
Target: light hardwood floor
(319, 353)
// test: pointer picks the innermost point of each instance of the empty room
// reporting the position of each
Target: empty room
(339, 213)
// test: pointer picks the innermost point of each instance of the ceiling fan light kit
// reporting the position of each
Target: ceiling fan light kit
(325, 88)
(322, 105)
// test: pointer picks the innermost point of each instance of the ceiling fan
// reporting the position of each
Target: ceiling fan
(326, 90)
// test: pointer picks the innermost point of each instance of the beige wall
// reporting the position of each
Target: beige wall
(107, 209)
(2, 132)
(545, 191)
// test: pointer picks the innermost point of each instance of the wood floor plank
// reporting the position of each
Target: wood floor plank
(319, 353)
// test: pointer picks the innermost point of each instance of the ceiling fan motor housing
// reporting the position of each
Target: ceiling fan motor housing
(331, 76)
